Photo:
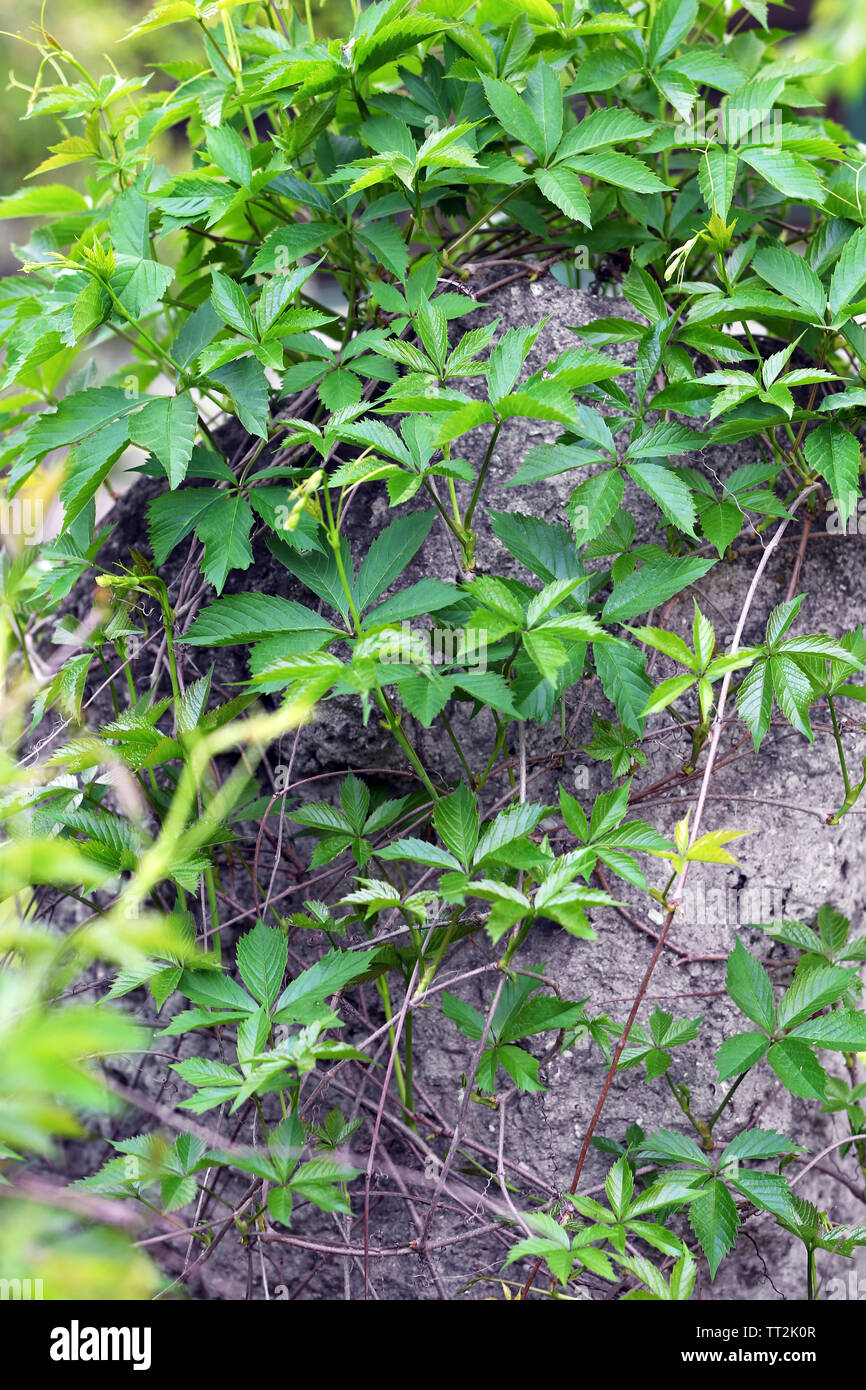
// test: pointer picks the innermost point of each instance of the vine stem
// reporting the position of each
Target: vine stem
(473, 501)
(837, 737)
(728, 1097)
(476, 226)
(464, 1112)
(837, 1144)
(718, 722)
(708, 772)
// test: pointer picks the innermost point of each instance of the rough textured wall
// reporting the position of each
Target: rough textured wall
(791, 855)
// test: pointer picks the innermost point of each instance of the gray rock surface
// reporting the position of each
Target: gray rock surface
(790, 863)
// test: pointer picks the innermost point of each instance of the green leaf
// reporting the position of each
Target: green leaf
(619, 1187)
(389, 555)
(668, 492)
(665, 439)
(166, 427)
(792, 276)
(669, 643)
(622, 672)
(173, 515)
(468, 1020)
(671, 23)
(514, 114)
(812, 990)
(593, 504)
(717, 174)
(714, 1220)
(748, 984)
(622, 170)
(262, 954)
(797, 1067)
(755, 702)
(230, 154)
(849, 273)
(721, 523)
(426, 697)
(668, 1146)
(49, 200)
(299, 1001)
(78, 415)
(456, 820)
(667, 692)
(509, 825)
(419, 852)
(757, 1144)
(544, 98)
(546, 653)
(280, 1205)
(834, 452)
(740, 1053)
(607, 126)
(224, 531)
(214, 989)
(601, 71)
(432, 327)
(245, 379)
(231, 304)
(387, 244)
(545, 548)
(521, 1066)
(489, 688)
(564, 189)
(789, 173)
(841, 1030)
(250, 618)
(286, 245)
(794, 691)
(653, 585)
(88, 466)
(767, 1191)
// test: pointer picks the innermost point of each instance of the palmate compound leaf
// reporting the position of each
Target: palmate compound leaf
(518, 57)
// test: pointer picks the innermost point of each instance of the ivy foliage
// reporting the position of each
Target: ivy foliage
(289, 304)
